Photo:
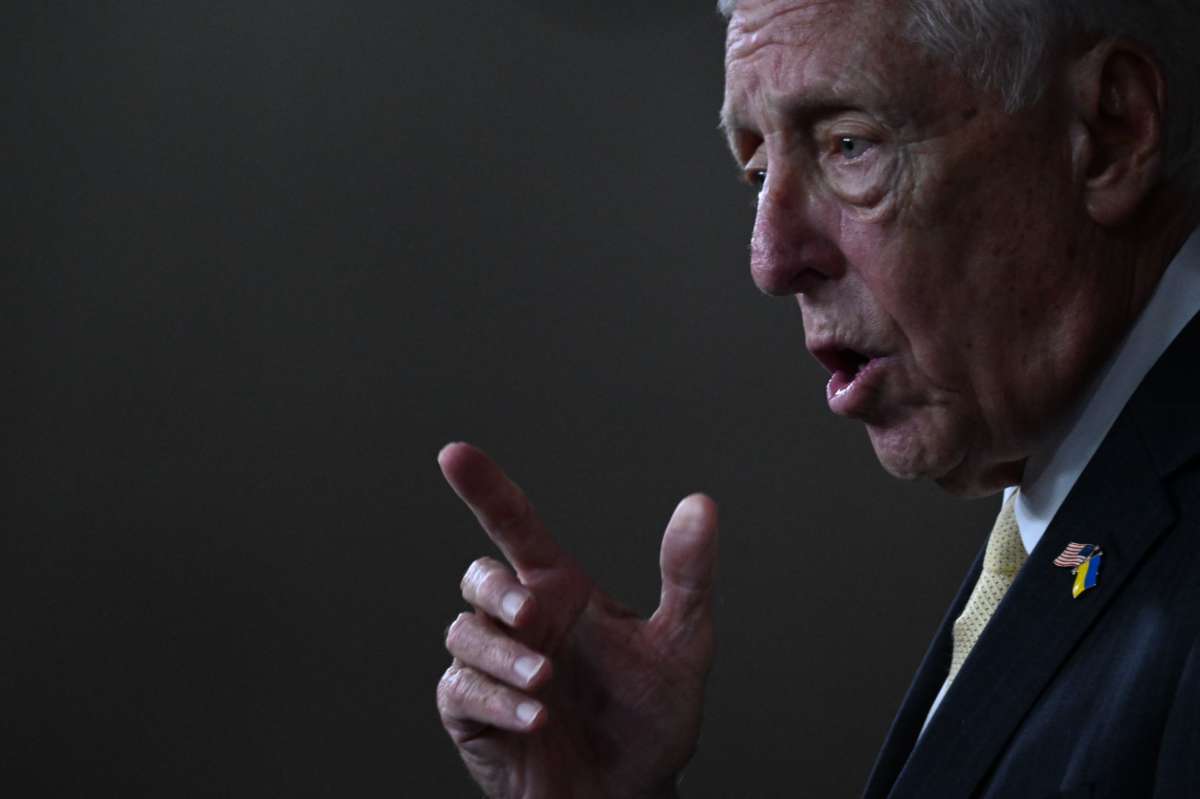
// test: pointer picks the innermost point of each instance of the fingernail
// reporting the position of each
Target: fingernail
(511, 605)
(527, 712)
(527, 666)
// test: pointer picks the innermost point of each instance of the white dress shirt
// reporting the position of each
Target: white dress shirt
(1052, 470)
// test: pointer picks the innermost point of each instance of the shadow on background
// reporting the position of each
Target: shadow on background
(264, 259)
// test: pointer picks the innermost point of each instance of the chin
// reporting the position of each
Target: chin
(926, 454)
(904, 455)
(943, 450)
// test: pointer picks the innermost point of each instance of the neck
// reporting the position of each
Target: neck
(1144, 247)
(1126, 265)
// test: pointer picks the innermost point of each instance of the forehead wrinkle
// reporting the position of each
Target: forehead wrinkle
(790, 83)
(790, 23)
(787, 70)
(815, 99)
(751, 17)
(779, 30)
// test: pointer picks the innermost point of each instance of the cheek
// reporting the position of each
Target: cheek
(907, 282)
(946, 268)
(903, 250)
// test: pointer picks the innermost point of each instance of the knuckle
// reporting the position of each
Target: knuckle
(469, 577)
(486, 587)
(477, 573)
(470, 691)
(457, 629)
(447, 690)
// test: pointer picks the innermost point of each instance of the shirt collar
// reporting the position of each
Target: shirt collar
(1053, 469)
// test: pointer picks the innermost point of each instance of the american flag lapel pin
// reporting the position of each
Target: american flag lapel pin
(1084, 562)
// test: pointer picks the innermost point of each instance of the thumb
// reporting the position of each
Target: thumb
(688, 562)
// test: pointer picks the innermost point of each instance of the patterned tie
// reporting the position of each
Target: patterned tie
(1001, 562)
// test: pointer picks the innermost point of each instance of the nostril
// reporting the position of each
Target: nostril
(781, 280)
(792, 265)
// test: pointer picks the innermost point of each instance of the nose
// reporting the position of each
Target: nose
(792, 250)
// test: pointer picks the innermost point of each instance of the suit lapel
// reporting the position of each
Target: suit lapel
(1120, 502)
(924, 689)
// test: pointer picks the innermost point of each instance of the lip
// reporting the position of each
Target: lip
(855, 376)
(850, 394)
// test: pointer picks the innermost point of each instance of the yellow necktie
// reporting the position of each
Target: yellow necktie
(1001, 561)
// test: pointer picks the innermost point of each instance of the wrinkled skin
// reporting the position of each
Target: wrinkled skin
(620, 697)
(917, 222)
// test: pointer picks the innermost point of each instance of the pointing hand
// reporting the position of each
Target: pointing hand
(555, 690)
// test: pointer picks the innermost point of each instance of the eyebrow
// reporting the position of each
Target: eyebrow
(728, 124)
(800, 108)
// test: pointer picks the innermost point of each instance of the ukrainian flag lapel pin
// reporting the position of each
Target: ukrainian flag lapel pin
(1084, 562)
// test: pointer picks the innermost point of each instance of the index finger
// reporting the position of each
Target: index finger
(502, 509)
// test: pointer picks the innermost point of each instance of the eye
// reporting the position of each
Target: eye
(852, 147)
(755, 177)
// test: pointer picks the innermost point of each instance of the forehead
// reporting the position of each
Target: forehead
(782, 53)
(792, 22)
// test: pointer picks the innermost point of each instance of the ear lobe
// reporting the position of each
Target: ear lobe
(1120, 98)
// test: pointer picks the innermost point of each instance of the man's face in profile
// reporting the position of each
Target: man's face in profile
(930, 238)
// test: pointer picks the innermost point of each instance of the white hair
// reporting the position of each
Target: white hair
(1004, 44)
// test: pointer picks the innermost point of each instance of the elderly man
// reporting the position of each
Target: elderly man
(984, 209)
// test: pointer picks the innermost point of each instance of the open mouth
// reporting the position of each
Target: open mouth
(843, 362)
(844, 365)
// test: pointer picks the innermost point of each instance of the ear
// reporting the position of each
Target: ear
(1119, 95)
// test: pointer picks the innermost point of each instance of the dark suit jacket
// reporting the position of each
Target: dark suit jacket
(1091, 697)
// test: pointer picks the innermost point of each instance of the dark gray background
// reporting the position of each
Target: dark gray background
(264, 258)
